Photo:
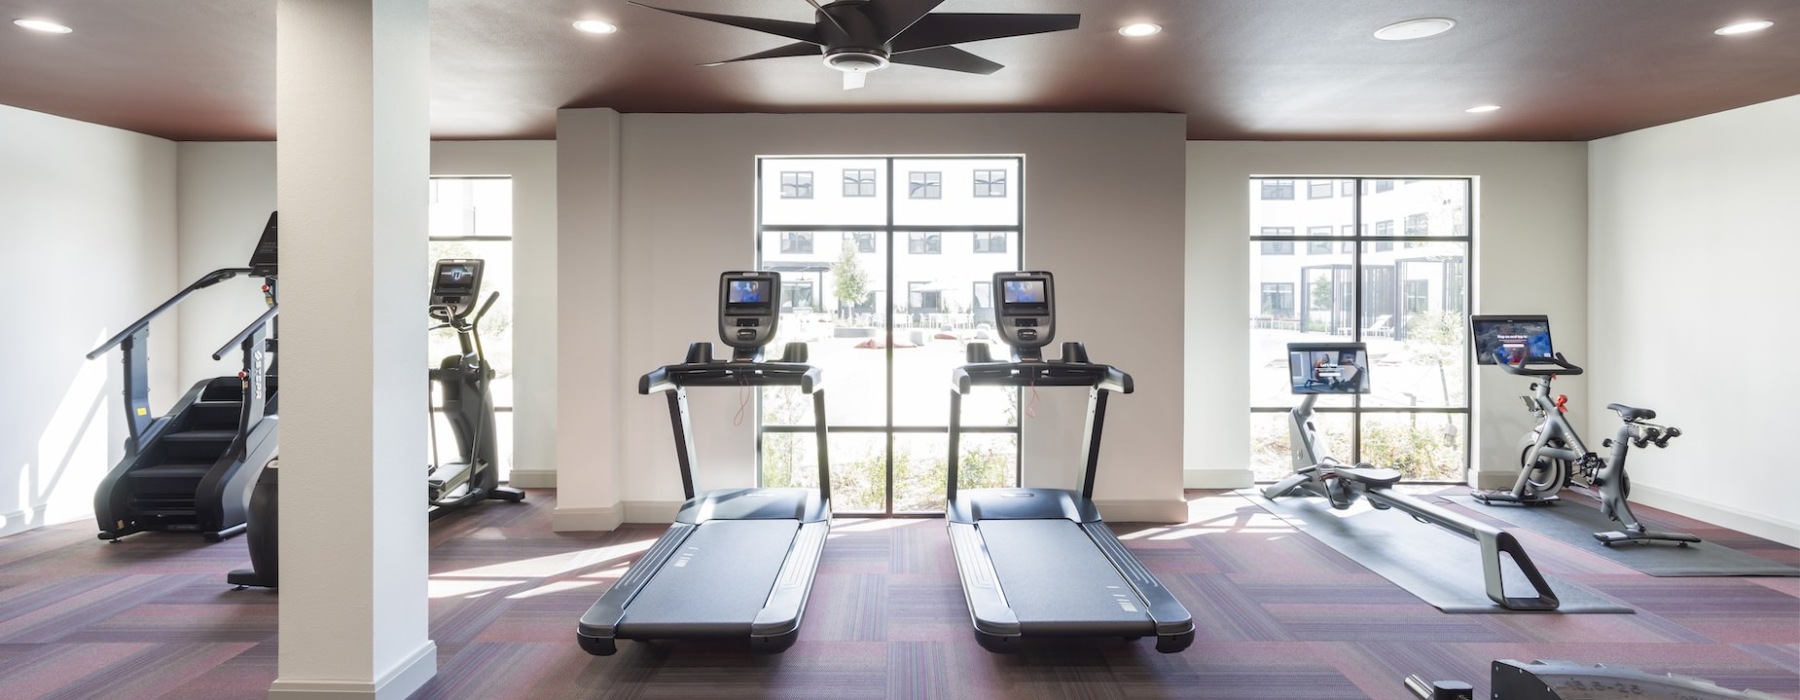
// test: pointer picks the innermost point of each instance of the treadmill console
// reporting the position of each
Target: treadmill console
(748, 312)
(1026, 301)
(454, 286)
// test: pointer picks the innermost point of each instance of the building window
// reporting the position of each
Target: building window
(925, 185)
(1318, 189)
(472, 217)
(1418, 294)
(1277, 189)
(1278, 299)
(862, 242)
(797, 242)
(1384, 185)
(1347, 188)
(990, 242)
(1418, 225)
(859, 183)
(983, 297)
(1318, 247)
(920, 299)
(796, 185)
(930, 243)
(1384, 228)
(798, 296)
(990, 183)
(1277, 247)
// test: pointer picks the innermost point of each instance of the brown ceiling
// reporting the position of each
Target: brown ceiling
(1240, 69)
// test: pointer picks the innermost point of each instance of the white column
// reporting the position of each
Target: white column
(352, 152)
(587, 318)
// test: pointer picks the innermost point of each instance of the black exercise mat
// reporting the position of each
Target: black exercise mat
(1439, 566)
(1575, 520)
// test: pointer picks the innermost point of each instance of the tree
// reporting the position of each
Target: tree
(852, 283)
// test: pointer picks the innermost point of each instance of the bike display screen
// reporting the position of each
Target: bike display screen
(1511, 339)
(1329, 368)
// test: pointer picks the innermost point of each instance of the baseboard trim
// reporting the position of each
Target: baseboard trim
(1216, 479)
(16, 522)
(567, 519)
(1768, 528)
(532, 478)
(397, 683)
(651, 511)
(1158, 510)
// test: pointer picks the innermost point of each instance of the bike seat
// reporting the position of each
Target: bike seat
(1371, 477)
(1630, 415)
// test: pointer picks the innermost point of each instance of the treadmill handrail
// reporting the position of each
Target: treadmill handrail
(207, 280)
(238, 339)
(809, 378)
(1103, 377)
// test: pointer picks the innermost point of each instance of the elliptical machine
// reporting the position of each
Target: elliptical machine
(468, 402)
(1342, 368)
(1552, 453)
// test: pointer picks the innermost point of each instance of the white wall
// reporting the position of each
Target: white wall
(226, 191)
(1530, 256)
(87, 245)
(1103, 210)
(1695, 227)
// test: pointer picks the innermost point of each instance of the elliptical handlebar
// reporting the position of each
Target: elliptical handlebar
(1561, 366)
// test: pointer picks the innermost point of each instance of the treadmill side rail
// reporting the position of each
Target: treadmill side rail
(600, 623)
(996, 625)
(1174, 624)
(778, 623)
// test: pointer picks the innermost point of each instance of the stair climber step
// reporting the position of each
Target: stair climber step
(217, 415)
(172, 471)
(202, 436)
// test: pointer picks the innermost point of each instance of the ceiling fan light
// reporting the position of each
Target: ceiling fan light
(1744, 27)
(43, 25)
(1420, 28)
(1140, 29)
(594, 26)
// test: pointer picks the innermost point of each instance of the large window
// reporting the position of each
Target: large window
(888, 300)
(1407, 302)
(472, 217)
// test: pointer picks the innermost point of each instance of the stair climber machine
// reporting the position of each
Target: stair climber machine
(463, 379)
(192, 469)
(737, 563)
(1040, 562)
(1343, 368)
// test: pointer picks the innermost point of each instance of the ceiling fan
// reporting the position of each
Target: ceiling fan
(858, 37)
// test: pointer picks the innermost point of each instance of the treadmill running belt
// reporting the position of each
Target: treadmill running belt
(1058, 582)
(715, 583)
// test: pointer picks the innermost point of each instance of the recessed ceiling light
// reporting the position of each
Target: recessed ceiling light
(594, 26)
(1744, 27)
(1478, 109)
(1140, 29)
(1415, 29)
(43, 25)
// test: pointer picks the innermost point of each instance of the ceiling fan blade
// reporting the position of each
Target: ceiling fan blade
(798, 31)
(947, 58)
(795, 49)
(944, 29)
(854, 81)
(893, 16)
(828, 16)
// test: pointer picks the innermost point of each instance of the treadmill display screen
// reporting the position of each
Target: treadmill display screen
(1329, 368)
(1024, 297)
(456, 279)
(749, 297)
(1511, 339)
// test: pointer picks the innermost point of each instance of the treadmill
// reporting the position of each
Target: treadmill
(736, 562)
(1040, 562)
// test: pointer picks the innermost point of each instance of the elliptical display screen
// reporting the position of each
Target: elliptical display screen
(1511, 339)
(748, 297)
(1023, 297)
(455, 279)
(1329, 368)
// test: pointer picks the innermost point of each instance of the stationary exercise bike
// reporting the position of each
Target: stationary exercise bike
(1342, 368)
(1552, 454)
(468, 403)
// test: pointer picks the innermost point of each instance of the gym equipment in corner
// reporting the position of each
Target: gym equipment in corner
(468, 404)
(192, 469)
(1041, 562)
(1564, 680)
(1552, 453)
(737, 563)
(1316, 369)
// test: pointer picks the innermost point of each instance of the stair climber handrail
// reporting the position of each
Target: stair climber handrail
(238, 339)
(210, 279)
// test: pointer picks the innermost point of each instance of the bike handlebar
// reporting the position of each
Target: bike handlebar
(1561, 366)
